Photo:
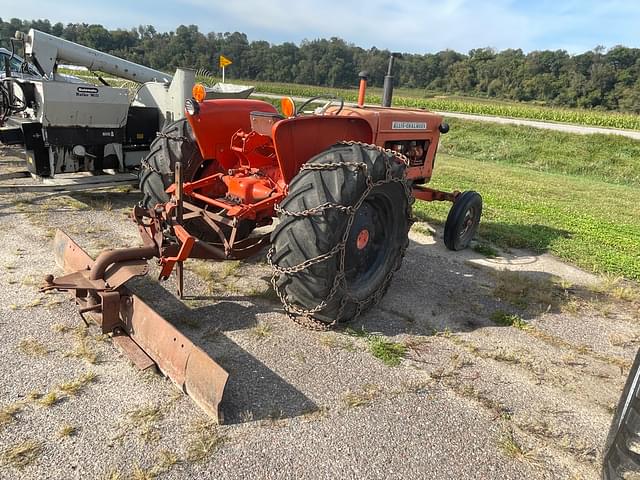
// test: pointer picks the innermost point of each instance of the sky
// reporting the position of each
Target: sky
(412, 26)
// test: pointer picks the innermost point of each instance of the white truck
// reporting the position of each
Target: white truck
(66, 125)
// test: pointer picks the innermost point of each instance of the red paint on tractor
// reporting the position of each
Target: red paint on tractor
(216, 123)
(363, 239)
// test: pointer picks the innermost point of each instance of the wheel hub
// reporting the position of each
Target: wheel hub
(468, 222)
(363, 239)
(368, 245)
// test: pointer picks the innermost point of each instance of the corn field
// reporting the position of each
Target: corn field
(514, 110)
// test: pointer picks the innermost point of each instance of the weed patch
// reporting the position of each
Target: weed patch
(32, 348)
(486, 250)
(509, 320)
(143, 419)
(353, 399)
(262, 330)
(72, 387)
(49, 400)
(334, 341)
(267, 293)
(145, 414)
(205, 439)
(140, 473)
(67, 431)
(391, 353)
(526, 291)
(416, 227)
(82, 348)
(230, 268)
(21, 455)
(8, 413)
(512, 447)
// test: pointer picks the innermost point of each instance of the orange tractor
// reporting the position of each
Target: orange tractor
(338, 183)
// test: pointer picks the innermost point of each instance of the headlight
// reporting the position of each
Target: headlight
(192, 107)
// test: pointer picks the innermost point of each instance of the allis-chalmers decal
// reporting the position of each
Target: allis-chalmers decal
(87, 92)
(408, 125)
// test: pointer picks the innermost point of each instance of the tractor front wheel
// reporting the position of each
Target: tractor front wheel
(342, 234)
(463, 220)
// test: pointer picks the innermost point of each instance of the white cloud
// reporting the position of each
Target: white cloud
(417, 26)
(409, 26)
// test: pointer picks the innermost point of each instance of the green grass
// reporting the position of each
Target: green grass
(605, 157)
(509, 320)
(486, 250)
(591, 223)
(391, 353)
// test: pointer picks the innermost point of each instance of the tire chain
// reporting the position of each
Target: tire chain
(144, 163)
(304, 317)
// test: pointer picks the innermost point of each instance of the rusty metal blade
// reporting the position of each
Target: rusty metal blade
(69, 256)
(205, 381)
(121, 272)
(76, 263)
(140, 359)
(188, 366)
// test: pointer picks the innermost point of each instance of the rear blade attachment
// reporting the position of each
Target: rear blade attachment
(137, 329)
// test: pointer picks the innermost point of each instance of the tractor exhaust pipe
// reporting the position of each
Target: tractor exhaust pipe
(364, 76)
(387, 92)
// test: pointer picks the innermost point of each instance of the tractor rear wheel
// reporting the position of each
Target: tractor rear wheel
(175, 144)
(342, 234)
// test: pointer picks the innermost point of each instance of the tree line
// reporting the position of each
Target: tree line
(600, 79)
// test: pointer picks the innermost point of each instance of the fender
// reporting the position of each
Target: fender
(297, 140)
(217, 120)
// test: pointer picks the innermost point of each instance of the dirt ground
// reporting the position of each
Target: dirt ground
(511, 368)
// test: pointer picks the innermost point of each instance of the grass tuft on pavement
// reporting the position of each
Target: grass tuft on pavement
(32, 347)
(67, 431)
(391, 353)
(21, 455)
(8, 413)
(509, 320)
(205, 439)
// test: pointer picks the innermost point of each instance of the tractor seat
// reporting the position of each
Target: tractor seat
(262, 122)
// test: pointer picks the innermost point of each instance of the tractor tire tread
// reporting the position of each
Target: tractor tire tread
(163, 155)
(298, 239)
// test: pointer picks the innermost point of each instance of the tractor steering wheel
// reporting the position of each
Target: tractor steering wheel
(331, 100)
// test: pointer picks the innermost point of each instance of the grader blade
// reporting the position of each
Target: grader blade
(136, 328)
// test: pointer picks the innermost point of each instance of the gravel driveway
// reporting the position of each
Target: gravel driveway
(511, 367)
